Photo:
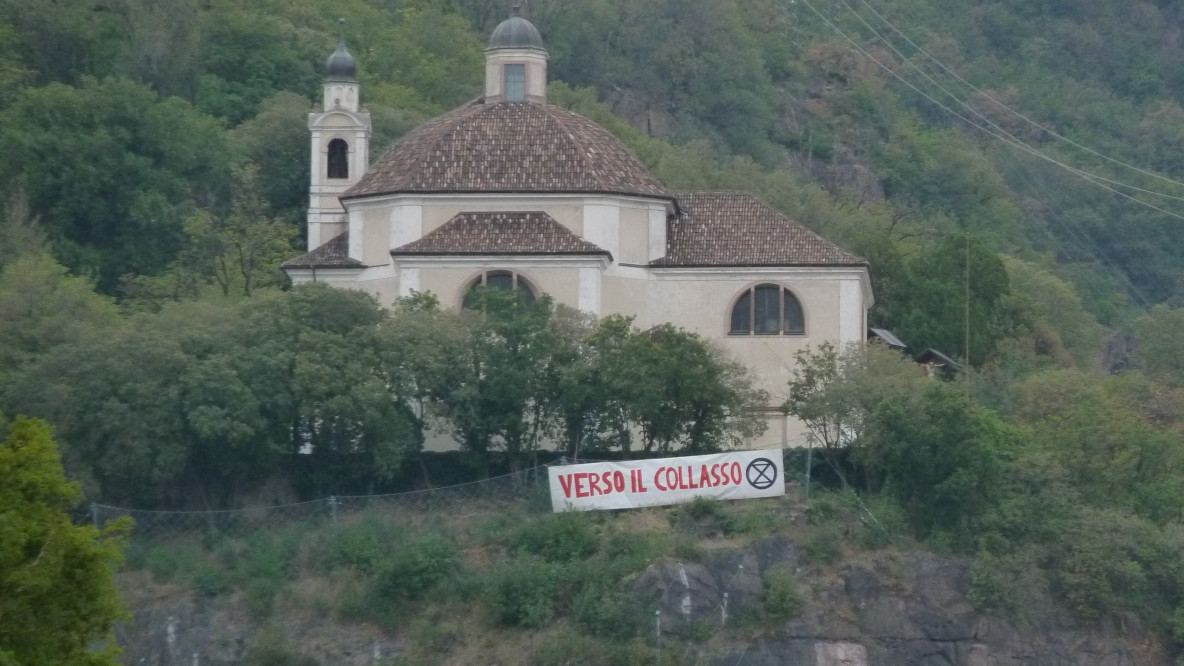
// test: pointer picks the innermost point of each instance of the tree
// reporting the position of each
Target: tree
(835, 391)
(1160, 344)
(493, 393)
(57, 587)
(587, 405)
(931, 308)
(942, 458)
(112, 171)
(684, 394)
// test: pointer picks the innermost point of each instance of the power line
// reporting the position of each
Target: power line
(1007, 108)
(905, 59)
(999, 132)
(1001, 135)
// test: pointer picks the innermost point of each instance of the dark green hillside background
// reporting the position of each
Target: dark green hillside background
(1013, 170)
(124, 119)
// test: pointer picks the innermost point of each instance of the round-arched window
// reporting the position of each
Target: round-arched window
(507, 280)
(767, 309)
(338, 159)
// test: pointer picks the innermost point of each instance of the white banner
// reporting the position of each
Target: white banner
(636, 483)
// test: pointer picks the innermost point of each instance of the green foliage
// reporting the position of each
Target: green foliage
(117, 171)
(565, 537)
(783, 599)
(57, 590)
(271, 649)
(1158, 343)
(835, 392)
(682, 394)
(525, 591)
(941, 457)
(417, 567)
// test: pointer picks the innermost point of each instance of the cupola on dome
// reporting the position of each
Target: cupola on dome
(515, 33)
(341, 66)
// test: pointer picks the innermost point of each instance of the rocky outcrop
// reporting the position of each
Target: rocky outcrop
(882, 608)
(885, 609)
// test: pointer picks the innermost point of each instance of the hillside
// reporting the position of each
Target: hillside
(1009, 168)
(500, 581)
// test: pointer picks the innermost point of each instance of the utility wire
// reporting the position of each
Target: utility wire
(1023, 147)
(1010, 110)
(975, 112)
(1076, 235)
(1001, 135)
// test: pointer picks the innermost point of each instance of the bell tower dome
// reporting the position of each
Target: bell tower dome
(340, 145)
(515, 62)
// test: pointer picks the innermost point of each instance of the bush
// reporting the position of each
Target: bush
(783, 599)
(269, 649)
(608, 613)
(559, 538)
(175, 560)
(418, 567)
(210, 580)
(525, 592)
(824, 545)
(362, 545)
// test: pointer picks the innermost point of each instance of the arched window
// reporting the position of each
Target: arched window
(501, 280)
(338, 159)
(767, 309)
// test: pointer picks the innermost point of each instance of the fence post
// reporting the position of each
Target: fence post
(94, 514)
(333, 510)
(658, 636)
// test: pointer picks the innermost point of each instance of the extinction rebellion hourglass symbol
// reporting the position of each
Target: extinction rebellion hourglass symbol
(761, 473)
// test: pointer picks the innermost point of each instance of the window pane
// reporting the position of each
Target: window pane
(500, 280)
(515, 83)
(795, 323)
(742, 315)
(338, 159)
(527, 294)
(768, 310)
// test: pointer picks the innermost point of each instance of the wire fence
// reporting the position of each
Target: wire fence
(526, 485)
(688, 598)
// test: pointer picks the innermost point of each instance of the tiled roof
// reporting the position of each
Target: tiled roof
(737, 229)
(334, 254)
(508, 147)
(531, 232)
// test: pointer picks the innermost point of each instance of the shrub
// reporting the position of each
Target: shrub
(418, 567)
(362, 545)
(608, 613)
(824, 545)
(783, 599)
(210, 580)
(525, 592)
(559, 538)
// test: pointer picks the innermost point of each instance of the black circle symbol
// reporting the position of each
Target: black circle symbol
(761, 473)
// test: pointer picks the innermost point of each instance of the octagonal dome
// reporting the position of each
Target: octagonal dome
(508, 148)
(515, 33)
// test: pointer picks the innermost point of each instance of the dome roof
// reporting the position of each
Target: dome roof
(515, 33)
(509, 147)
(341, 66)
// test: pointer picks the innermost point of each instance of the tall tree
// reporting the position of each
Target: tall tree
(57, 585)
(112, 171)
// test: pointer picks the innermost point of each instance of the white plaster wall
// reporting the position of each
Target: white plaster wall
(602, 227)
(406, 224)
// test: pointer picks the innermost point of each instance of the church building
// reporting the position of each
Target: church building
(511, 192)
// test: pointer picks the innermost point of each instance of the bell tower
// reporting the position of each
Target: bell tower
(340, 145)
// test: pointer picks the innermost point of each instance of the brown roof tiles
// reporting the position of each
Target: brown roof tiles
(334, 254)
(508, 147)
(738, 229)
(529, 232)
